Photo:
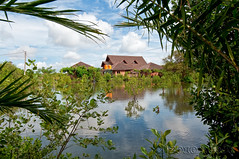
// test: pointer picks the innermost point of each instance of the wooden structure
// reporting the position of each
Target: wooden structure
(122, 64)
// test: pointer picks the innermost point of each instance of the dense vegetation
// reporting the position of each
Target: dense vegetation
(74, 100)
(207, 33)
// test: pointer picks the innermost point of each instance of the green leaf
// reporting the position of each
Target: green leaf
(155, 132)
(230, 52)
(220, 81)
(167, 132)
(200, 74)
(144, 151)
(10, 3)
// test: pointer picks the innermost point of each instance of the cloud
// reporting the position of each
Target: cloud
(18, 53)
(41, 64)
(73, 56)
(100, 24)
(63, 36)
(132, 43)
(5, 34)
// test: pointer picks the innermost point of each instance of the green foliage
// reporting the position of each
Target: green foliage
(47, 70)
(213, 149)
(73, 100)
(220, 111)
(107, 77)
(8, 67)
(159, 148)
(133, 108)
(156, 109)
(156, 80)
(15, 94)
(80, 71)
(134, 86)
(207, 34)
(76, 105)
(177, 65)
(118, 80)
(21, 147)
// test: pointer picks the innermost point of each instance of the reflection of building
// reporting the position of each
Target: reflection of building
(122, 64)
(109, 95)
(122, 94)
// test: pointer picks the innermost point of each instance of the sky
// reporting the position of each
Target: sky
(53, 45)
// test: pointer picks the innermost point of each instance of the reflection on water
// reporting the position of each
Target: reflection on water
(134, 108)
(176, 99)
(135, 117)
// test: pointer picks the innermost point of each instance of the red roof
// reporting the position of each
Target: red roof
(81, 64)
(124, 62)
(151, 66)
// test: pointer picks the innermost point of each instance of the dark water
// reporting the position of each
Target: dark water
(135, 122)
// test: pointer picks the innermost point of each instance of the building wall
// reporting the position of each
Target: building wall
(119, 73)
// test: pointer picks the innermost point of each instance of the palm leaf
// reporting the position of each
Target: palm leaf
(15, 95)
(32, 8)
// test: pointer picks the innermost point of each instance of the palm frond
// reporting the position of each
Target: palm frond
(15, 95)
(32, 8)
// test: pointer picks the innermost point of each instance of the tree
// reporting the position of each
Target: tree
(17, 94)
(13, 94)
(207, 32)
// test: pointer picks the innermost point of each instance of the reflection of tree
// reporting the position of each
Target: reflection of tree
(134, 108)
(176, 99)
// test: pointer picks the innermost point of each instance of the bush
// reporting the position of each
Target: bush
(156, 80)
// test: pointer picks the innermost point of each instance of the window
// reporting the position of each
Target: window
(135, 62)
(124, 61)
(105, 67)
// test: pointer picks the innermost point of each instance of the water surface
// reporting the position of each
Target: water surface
(135, 122)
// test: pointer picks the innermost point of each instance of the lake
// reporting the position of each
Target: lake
(135, 121)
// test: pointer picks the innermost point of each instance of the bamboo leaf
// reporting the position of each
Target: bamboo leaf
(220, 81)
(183, 16)
(200, 74)
(10, 3)
(2, 1)
(35, 3)
(148, 7)
(230, 52)
(206, 12)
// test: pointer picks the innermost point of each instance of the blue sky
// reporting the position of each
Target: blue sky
(53, 45)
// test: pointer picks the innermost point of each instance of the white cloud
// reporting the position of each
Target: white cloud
(5, 34)
(91, 19)
(63, 36)
(18, 53)
(132, 43)
(72, 56)
(41, 64)
(104, 56)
